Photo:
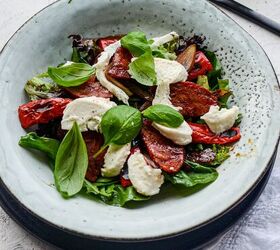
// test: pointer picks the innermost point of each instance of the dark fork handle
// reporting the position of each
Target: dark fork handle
(249, 14)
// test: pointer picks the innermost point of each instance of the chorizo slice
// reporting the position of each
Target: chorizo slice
(167, 155)
(119, 64)
(193, 99)
(94, 141)
(89, 88)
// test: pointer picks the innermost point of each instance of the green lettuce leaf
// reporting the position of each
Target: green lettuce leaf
(41, 87)
(222, 153)
(202, 80)
(109, 191)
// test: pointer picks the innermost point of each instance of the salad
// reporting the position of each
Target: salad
(127, 115)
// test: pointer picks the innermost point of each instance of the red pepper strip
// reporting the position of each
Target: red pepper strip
(201, 66)
(106, 41)
(125, 182)
(41, 111)
(202, 134)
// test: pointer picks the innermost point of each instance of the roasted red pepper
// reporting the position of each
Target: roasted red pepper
(202, 134)
(201, 66)
(118, 68)
(41, 111)
(125, 182)
(124, 178)
(106, 41)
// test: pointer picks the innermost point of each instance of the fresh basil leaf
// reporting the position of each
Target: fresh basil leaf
(71, 75)
(112, 193)
(198, 175)
(46, 145)
(143, 70)
(40, 87)
(76, 56)
(164, 115)
(71, 163)
(121, 124)
(202, 80)
(222, 153)
(136, 42)
(216, 72)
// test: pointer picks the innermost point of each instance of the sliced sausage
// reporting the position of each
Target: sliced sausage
(89, 88)
(167, 155)
(192, 98)
(93, 142)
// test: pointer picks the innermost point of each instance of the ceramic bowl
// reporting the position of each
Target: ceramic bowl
(42, 41)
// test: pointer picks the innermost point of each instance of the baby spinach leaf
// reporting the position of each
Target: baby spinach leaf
(71, 75)
(121, 124)
(39, 87)
(142, 69)
(112, 193)
(136, 42)
(198, 175)
(46, 145)
(71, 163)
(164, 115)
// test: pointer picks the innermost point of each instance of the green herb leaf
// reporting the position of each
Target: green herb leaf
(121, 124)
(44, 144)
(143, 70)
(238, 120)
(71, 163)
(198, 175)
(216, 72)
(225, 92)
(222, 153)
(71, 75)
(112, 193)
(162, 52)
(164, 115)
(40, 87)
(202, 80)
(136, 42)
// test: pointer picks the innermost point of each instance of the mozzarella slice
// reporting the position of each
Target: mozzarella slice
(100, 66)
(86, 111)
(158, 41)
(220, 120)
(181, 135)
(168, 72)
(114, 159)
(144, 178)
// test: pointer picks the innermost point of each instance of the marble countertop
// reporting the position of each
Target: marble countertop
(14, 13)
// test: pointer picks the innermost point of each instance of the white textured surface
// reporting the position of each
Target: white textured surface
(258, 230)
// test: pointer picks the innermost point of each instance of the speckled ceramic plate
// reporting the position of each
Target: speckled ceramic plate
(42, 41)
